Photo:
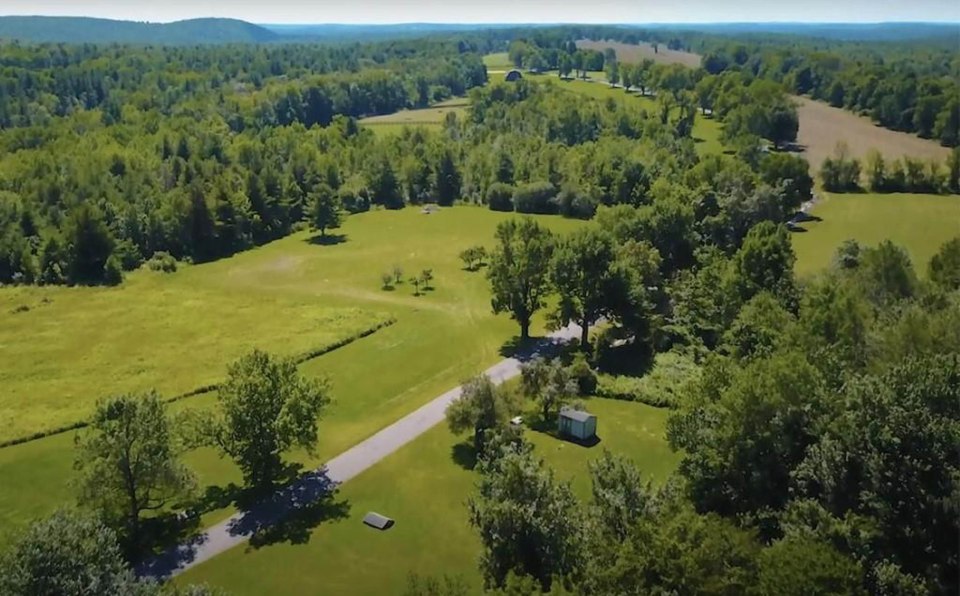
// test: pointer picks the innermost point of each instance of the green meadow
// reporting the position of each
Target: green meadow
(919, 223)
(424, 486)
(289, 286)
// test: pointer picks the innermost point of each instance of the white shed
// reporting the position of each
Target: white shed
(577, 424)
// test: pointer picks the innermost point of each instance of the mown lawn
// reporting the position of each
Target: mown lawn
(438, 338)
(424, 486)
(919, 223)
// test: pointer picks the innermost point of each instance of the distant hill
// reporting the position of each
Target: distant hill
(89, 30)
(834, 31)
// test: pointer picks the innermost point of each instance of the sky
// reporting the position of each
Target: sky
(497, 11)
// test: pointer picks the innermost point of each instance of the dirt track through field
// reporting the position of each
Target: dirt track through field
(244, 525)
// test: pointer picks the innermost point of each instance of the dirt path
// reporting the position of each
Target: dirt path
(315, 485)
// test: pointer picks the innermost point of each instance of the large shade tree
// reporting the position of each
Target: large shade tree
(519, 268)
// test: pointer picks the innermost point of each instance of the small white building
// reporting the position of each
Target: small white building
(577, 424)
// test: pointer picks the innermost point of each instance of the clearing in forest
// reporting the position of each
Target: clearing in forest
(918, 223)
(822, 126)
(433, 116)
(632, 53)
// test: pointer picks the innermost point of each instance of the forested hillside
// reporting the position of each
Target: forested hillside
(89, 30)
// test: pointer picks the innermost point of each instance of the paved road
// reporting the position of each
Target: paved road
(241, 526)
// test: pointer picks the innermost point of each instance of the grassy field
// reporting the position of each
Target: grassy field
(431, 117)
(919, 223)
(632, 53)
(437, 340)
(497, 62)
(823, 126)
(425, 489)
(170, 333)
(706, 131)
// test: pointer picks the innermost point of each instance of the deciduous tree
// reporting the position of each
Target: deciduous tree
(267, 407)
(519, 270)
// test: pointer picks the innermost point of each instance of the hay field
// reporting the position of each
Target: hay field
(636, 53)
(822, 126)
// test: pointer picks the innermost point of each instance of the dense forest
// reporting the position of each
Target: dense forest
(108, 161)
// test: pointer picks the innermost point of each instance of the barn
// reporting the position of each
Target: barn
(513, 76)
(577, 424)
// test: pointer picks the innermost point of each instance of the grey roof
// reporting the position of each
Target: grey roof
(577, 415)
(375, 520)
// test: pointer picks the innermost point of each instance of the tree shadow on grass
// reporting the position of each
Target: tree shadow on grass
(327, 239)
(292, 512)
(525, 350)
(464, 455)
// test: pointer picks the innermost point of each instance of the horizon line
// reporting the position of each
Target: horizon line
(493, 23)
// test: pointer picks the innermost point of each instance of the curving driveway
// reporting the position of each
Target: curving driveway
(317, 484)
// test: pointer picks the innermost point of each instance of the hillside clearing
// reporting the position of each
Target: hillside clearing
(919, 223)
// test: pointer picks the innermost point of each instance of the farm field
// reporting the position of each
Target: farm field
(919, 223)
(637, 53)
(425, 489)
(822, 126)
(437, 340)
(431, 117)
(498, 61)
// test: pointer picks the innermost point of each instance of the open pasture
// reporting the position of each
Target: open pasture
(919, 223)
(438, 339)
(637, 53)
(822, 126)
(424, 486)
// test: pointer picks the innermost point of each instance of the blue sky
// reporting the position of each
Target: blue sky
(498, 11)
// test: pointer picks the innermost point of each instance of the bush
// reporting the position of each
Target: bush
(581, 372)
(535, 197)
(661, 387)
(574, 203)
(354, 200)
(162, 261)
(129, 254)
(500, 197)
(112, 271)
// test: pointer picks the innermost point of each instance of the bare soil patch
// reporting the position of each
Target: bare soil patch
(636, 53)
(822, 126)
